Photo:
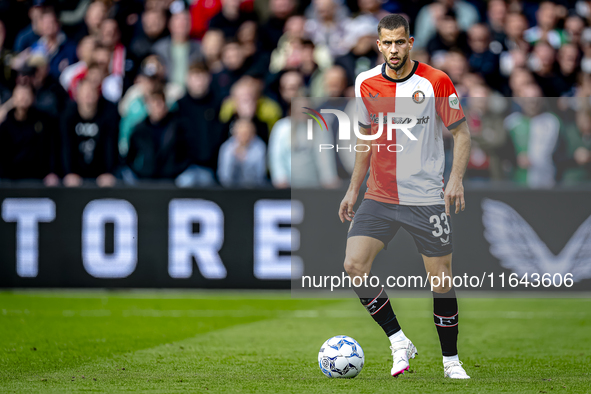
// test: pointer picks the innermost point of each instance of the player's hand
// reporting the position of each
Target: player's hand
(346, 209)
(454, 195)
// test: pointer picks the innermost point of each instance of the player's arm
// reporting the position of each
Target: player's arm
(362, 160)
(454, 192)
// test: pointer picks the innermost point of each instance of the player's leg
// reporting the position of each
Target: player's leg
(371, 230)
(431, 230)
(445, 313)
(361, 251)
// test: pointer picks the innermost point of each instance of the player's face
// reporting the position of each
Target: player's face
(395, 46)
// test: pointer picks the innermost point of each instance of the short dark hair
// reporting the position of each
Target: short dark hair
(392, 22)
(198, 67)
(158, 92)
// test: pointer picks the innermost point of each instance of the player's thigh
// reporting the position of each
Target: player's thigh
(439, 266)
(372, 228)
(360, 254)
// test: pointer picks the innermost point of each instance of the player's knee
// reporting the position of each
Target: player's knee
(442, 289)
(354, 267)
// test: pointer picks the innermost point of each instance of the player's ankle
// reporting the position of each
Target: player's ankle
(450, 358)
(397, 337)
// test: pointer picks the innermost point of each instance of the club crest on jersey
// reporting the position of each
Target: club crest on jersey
(418, 97)
(454, 101)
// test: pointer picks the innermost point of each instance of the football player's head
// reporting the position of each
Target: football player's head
(394, 41)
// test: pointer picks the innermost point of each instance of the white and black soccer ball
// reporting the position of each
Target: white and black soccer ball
(341, 357)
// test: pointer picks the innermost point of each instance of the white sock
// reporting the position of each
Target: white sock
(397, 336)
(450, 358)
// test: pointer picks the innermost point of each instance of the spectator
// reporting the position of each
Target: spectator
(296, 161)
(496, 19)
(489, 138)
(242, 157)
(178, 51)
(335, 82)
(53, 45)
(84, 53)
(93, 18)
(482, 60)
(573, 27)
(152, 28)
(364, 53)
(519, 80)
(272, 30)
(515, 27)
(372, 10)
(230, 18)
(542, 64)
(198, 110)
(50, 97)
(456, 66)
(545, 29)
(233, 61)
(448, 36)
(246, 102)
(211, 46)
(293, 46)
(6, 72)
(290, 86)
(32, 33)
(27, 150)
(89, 138)
(132, 107)
(110, 37)
(534, 133)
(328, 26)
(428, 19)
(157, 147)
(568, 64)
(312, 74)
(111, 85)
(576, 150)
(257, 61)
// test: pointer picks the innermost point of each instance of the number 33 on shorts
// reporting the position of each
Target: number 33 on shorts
(439, 222)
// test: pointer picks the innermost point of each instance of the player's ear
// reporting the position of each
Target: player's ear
(411, 41)
(378, 44)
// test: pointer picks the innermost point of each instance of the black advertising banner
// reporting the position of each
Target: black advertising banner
(144, 238)
(177, 238)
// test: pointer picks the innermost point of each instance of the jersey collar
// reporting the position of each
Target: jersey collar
(399, 80)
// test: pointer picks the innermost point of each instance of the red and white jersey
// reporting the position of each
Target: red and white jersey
(413, 176)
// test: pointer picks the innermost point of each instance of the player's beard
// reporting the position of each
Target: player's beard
(397, 67)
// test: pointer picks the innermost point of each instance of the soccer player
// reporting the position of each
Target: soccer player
(405, 188)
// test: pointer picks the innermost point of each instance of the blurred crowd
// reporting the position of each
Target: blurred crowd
(199, 92)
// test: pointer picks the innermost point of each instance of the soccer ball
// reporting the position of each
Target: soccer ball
(341, 357)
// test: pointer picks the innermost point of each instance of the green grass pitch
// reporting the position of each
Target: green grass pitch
(167, 341)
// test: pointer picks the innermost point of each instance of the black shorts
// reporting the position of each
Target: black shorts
(429, 226)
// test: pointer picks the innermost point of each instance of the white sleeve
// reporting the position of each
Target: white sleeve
(362, 113)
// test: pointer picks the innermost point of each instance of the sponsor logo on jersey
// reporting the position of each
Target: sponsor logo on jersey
(418, 97)
(399, 120)
(372, 97)
(454, 101)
